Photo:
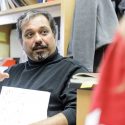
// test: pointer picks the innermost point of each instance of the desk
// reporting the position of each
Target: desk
(83, 102)
(83, 82)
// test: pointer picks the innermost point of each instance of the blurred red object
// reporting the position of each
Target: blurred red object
(8, 62)
(108, 100)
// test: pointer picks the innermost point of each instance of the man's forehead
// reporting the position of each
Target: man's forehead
(41, 20)
(36, 18)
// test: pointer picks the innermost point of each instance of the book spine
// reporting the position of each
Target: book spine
(40, 1)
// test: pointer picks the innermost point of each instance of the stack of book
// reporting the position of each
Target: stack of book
(84, 80)
(12, 4)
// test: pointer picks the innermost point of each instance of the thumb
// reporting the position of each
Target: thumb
(3, 76)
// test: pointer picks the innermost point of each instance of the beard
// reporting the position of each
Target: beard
(40, 56)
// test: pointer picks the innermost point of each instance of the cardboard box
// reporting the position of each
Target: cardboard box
(83, 103)
(4, 41)
(4, 50)
(5, 33)
(84, 83)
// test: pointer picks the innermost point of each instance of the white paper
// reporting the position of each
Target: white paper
(22, 106)
(93, 117)
(3, 68)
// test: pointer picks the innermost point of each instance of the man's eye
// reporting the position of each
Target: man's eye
(44, 32)
(29, 35)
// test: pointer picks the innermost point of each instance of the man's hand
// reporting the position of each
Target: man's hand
(3, 76)
(58, 119)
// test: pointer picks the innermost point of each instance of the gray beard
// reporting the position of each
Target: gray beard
(41, 56)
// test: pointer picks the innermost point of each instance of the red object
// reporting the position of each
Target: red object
(8, 62)
(109, 95)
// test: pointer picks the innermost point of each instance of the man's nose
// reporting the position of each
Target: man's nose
(38, 38)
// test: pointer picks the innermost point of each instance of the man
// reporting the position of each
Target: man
(45, 69)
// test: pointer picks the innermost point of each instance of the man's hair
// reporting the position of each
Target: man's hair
(31, 14)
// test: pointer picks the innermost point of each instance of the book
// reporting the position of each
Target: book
(84, 80)
(7, 4)
(40, 1)
(11, 4)
(19, 2)
(24, 3)
(3, 5)
(30, 2)
(15, 3)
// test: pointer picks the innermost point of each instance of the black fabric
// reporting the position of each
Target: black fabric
(121, 6)
(117, 9)
(99, 53)
(50, 75)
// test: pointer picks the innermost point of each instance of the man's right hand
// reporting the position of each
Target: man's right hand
(3, 76)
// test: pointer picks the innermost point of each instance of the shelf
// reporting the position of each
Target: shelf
(10, 16)
(56, 8)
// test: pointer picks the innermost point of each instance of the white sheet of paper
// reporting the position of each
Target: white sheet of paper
(22, 106)
(3, 68)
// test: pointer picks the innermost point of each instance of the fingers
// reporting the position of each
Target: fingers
(3, 76)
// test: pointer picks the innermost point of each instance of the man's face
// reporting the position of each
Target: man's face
(38, 39)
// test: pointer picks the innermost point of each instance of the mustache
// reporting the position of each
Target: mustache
(36, 47)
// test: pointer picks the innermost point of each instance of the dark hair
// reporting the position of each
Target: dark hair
(29, 15)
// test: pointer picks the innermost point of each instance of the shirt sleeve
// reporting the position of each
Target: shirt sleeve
(69, 99)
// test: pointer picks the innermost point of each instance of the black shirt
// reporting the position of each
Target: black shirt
(52, 75)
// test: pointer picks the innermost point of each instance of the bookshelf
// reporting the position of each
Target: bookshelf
(56, 8)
